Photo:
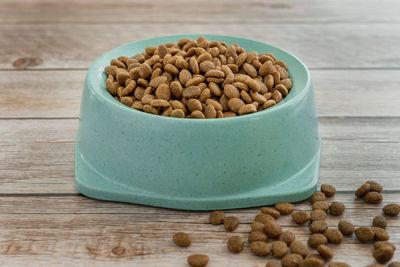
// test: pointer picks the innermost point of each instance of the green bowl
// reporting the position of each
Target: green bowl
(126, 155)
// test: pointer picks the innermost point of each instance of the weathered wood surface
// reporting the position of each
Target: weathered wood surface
(36, 156)
(80, 231)
(71, 45)
(228, 11)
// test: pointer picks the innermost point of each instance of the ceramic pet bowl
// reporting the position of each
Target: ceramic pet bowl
(122, 154)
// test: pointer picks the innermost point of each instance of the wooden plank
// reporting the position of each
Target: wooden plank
(56, 94)
(66, 45)
(36, 156)
(82, 232)
(199, 11)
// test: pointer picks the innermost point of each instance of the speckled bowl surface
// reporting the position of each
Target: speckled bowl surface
(122, 154)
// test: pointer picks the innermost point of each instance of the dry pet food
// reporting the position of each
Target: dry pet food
(346, 227)
(391, 209)
(263, 218)
(217, 217)
(318, 227)
(318, 196)
(231, 223)
(373, 197)
(328, 190)
(375, 186)
(338, 264)
(235, 244)
(260, 248)
(287, 236)
(273, 263)
(334, 236)
(270, 211)
(394, 264)
(383, 254)
(299, 248)
(363, 190)
(325, 252)
(379, 221)
(257, 226)
(257, 236)
(364, 234)
(279, 249)
(284, 207)
(336, 208)
(291, 260)
(198, 260)
(198, 79)
(380, 234)
(320, 205)
(318, 215)
(272, 229)
(317, 239)
(300, 217)
(311, 262)
(378, 244)
(182, 239)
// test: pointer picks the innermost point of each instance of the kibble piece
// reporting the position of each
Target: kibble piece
(379, 221)
(318, 215)
(235, 244)
(328, 190)
(380, 234)
(318, 196)
(284, 207)
(317, 239)
(191, 92)
(300, 217)
(334, 236)
(279, 249)
(263, 218)
(197, 114)
(364, 234)
(272, 263)
(375, 265)
(320, 205)
(198, 260)
(376, 187)
(346, 227)
(392, 209)
(272, 229)
(257, 236)
(317, 256)
(336, 208)
(325, 252)
(394, 264)
(178, 113)
(338, 264)
(257, 226)
(247, 109)
(270, 211)
(299, 248)
(363, 190)
(383, 254)
(231, 223)
(318, 227)
(216, 217)
(378, 244)
(260, 248)
(373, 197)
(287, 236)
(291, 260)
(182, 239)
(311, 262)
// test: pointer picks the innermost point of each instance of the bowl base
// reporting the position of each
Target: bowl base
(93, 184)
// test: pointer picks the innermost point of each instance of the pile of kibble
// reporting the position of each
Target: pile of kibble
(292, 253)
(198, 79)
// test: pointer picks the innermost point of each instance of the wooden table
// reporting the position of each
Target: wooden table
(351, 48)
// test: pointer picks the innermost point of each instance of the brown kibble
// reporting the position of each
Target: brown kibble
(284, 207)
(346, 227)
(198, 260)
(257, 226)
(263, 218)
(178, 113)
(373, 197)
(300, 217)
(260, 248)
(336, 208)
(182, 239)
(379, 221)
(320, 205)
(272, 263)
(231, 223)
(363, 190)
(231, 91)
(194, 104)
(318, 196)
(287, 236)
(299, 248)
(216, 217)
(250, 70)
(272, 228)
(380, 234)
(247, 109)
(318, 215)
(235, 244)
(391, 209)
(376, 187)
(394, 264)
(383, 254)
(257, 236)
(270, 211)
(145, 71)
(163, 92)
(318, 227)
(364, 234)
(235, 104)
(328, 190)
(325, 251)
(338, 264)
(291, 260)
(279, 249)
(317, 239)
(334, 236)
(160, 103)
(379, 244)
(191, 92)
(156, 82)
(311, 262)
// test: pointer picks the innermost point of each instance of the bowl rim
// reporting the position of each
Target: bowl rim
(93, 72)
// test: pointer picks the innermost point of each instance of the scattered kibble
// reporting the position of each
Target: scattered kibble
(346, 227)
(231, 223)
(375, 186)
(378, 244)
(328, 190)
(272, 229)
(198, 260)
(270, 211)
(338, 264)
(311, 262)
(257, 226)
(391, 209)
(257, 236)
(336, 208)
(182, 239)
(291, 260)
(318, 196)
(272, 263)
(287, 236)
(217, 217)
(279, 249)
(320, 205)
(379, 221)
(299, 248)
(317, 239)
(318, 227)
(380, 234)
(301, 217)
(235, 244)
(325, 251)
(363, 190)
(284, 207)
(383, 254)
(263, 218)
(334, 236)
(260, 248)
(364, 234)
(373, 197)
(318, 215)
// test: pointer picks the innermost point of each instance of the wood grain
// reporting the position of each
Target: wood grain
(208, 11)
(36, 156)
(32, 94)
(84, 232)
(67, 45)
